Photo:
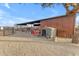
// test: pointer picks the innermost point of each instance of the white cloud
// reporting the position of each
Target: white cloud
(7, 20)
(7, 5)
(21, 20)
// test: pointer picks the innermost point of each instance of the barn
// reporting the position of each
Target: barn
(64, 24)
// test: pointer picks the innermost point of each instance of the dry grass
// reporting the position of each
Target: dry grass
(16, 46)
(36, 46)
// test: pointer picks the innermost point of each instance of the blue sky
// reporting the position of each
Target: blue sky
(12, 13)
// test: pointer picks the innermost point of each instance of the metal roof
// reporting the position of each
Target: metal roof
(38, 21)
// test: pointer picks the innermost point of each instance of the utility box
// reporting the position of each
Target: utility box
(49, 32)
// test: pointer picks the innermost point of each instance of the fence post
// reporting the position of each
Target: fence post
(75, 38)
(12, 30)
(3, 31)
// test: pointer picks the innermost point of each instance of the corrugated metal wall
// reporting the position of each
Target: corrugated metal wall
(64, 25)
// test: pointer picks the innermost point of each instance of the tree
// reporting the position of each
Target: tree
(66, 5)
(68, 12)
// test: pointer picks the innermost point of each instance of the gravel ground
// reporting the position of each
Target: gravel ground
(17, 45)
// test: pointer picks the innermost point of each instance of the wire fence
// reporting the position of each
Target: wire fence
(4, 31)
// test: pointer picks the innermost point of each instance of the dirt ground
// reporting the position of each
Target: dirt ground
(17, 45)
